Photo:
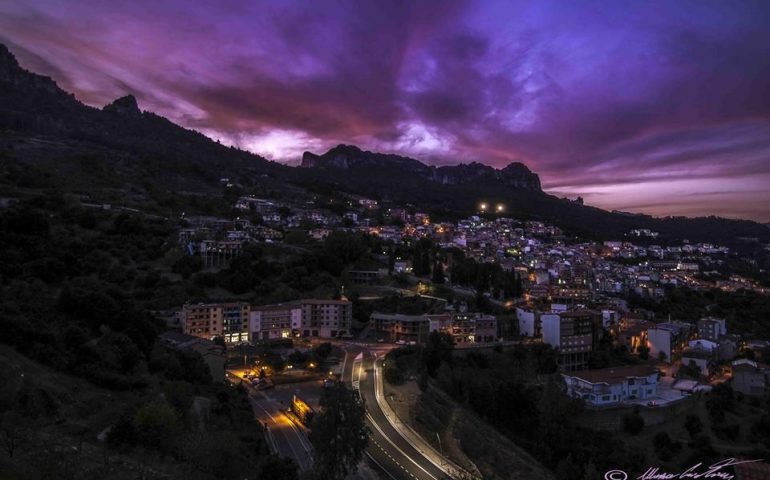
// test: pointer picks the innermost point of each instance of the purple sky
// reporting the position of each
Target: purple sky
(661, 107)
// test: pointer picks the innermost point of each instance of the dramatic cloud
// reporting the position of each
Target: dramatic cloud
(656, 106)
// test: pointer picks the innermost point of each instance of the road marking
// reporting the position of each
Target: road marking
(301, 460)
(371, 420)
(378, 387)
(371, 457)
(344, 361)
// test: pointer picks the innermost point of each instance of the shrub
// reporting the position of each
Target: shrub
(633, 423)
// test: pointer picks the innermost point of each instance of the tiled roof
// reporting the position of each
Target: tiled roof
(614, 374)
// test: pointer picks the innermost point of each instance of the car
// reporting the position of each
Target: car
(401, 342)
(380, 340)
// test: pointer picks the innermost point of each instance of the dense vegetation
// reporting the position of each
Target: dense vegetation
(77, 286)
(746, 312)
(338, 434)
(517, 391)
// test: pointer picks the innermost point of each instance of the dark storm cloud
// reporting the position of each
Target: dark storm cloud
(602, 97)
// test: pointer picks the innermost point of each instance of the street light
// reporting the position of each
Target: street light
(500, 207)
(483, 207)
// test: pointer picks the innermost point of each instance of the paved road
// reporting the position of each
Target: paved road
(387, 447)
(285, 438)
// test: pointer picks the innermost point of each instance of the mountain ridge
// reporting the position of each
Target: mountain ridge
(346, 157)
(135, 148)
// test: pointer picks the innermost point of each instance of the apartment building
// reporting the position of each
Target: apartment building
(209, 320)
(710, 328)
(467, 328)
(750, 377)
(574, 334)
(397, 327)
(529, 322)
(202, 320)
(668, 339)
(609, 386)
(270, 322)
(632, 333)
(235, 322)
(326, 318)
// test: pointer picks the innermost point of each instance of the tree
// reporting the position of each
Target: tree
(392, 373)
(438, 272)
(11, 431)
(633, 423)
(693, 425)
(590, 472)
(644, 352)
(691, 370)
(422, 380)
(156, 424)
(439, 348)
(277, 468)
(338, 433)
(720, 401)
(660, 441)
(567, 469)
(322, 351)
(187, 265)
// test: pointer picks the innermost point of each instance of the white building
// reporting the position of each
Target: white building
(526, 319)
(668, 338)
(304, 318)
(616, 385)
(274, 321)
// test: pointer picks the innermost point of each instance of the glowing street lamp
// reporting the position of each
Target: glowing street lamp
(500, 207)
(483, 207)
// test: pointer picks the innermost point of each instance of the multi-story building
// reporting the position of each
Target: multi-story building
(397, 327)
(326, 318)
(209, 320)
(465, 328)
(235, 322)
(668, 339)
(202, 320)
(710, 328)
(529, 322)
(615, 385)
(703, 354)
(750, 377)
(632, 333)
(270, 322)
(574, 334)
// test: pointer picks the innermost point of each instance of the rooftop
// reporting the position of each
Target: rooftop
(614, 374)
